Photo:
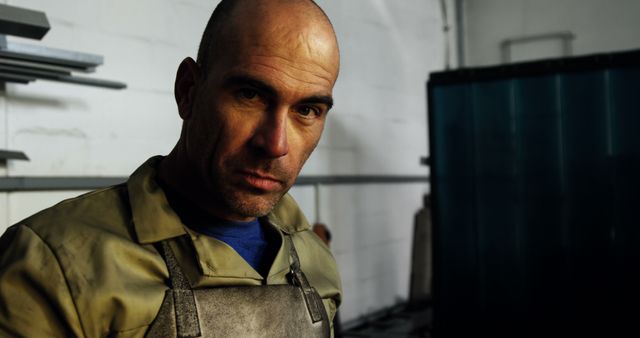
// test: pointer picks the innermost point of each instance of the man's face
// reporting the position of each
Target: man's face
(258, 114)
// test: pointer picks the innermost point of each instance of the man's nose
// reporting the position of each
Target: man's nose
(271, 135)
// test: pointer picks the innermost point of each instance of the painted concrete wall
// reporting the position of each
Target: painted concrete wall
(378, 125)
(599, 26)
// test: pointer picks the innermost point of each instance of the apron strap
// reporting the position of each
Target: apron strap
(187, 322)
(311, 297)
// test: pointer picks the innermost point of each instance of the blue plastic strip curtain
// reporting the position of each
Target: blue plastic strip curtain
(536, 188)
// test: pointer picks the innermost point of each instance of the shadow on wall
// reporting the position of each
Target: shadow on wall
(38, 102)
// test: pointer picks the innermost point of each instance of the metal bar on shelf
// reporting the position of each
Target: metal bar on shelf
(89, 81)
(13, 184)
(51, 55)
(13, 155)
(23, 22)
(15, 78)
(30, 71)
(43, 66)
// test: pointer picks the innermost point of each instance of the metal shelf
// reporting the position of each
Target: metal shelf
(25, 63)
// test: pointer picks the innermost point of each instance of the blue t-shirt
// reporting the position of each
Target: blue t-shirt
(252, 240)
(248, 239)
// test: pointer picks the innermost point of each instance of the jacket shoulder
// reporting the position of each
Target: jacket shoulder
(116, 283)
(101, 211)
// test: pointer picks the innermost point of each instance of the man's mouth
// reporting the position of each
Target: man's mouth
(261, 181)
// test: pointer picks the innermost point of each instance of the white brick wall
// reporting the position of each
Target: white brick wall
(378, 125)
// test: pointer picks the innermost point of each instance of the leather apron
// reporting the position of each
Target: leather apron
(290, 310)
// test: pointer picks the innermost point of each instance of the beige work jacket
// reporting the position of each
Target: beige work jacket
(87, 267)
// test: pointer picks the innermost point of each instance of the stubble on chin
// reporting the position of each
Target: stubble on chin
(239, 200)
(247, 204)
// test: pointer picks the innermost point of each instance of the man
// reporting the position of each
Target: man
(205, 241)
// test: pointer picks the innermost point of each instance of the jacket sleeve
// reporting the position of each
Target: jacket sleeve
(34, 296)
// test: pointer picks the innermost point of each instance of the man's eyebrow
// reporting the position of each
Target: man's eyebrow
(245, 80)
(322, 99)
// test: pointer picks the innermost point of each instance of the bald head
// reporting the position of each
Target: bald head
(242, 22)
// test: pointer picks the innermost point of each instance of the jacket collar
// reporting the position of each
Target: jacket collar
(153, 218)
(155, 221)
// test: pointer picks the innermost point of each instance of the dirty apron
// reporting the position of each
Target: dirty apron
(291, 310)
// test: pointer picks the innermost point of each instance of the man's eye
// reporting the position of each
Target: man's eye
(308, 111)
(247, 94)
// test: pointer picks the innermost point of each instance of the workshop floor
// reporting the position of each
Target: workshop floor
(399, 322)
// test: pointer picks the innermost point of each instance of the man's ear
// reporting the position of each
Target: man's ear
(187, 80)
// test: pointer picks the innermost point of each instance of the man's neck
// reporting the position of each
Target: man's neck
(187, 197)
